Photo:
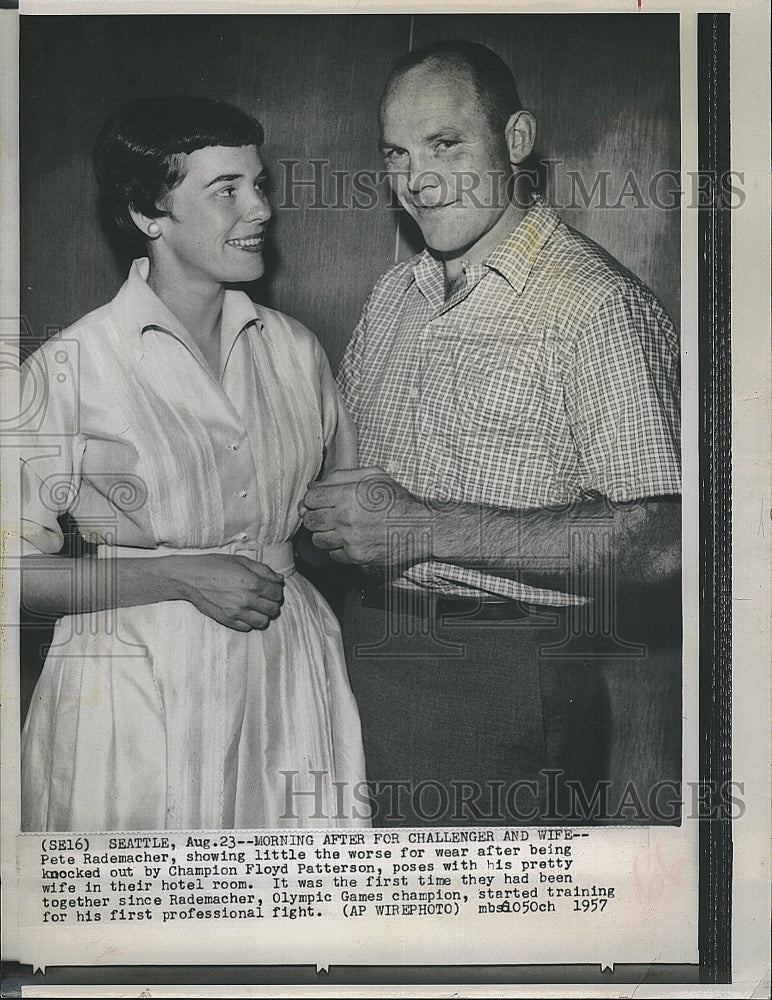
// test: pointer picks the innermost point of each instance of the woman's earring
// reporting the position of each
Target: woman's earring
(153, 230)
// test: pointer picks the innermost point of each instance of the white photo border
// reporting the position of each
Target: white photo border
(734, 391)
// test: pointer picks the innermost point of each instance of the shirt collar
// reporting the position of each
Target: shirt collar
(427, 272)
(140, 309)
(513, 258)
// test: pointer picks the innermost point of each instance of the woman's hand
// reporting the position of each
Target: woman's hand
(233, 590)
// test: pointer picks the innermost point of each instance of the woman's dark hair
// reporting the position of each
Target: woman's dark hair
(491, 77)
(137, 156)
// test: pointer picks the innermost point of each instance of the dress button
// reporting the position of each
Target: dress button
(234, 447)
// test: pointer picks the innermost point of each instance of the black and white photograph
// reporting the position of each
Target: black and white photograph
(372, 443)
(499, 464)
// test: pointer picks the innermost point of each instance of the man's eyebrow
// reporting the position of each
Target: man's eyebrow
(448, 131)
(443, 133)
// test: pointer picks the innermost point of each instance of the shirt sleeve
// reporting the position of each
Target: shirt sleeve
(623, 399)
(51, 457)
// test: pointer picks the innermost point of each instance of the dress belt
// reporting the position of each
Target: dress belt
(280, 557)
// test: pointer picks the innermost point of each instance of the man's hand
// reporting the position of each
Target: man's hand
(365, 518)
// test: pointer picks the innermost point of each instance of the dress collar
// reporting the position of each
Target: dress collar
(139, 309)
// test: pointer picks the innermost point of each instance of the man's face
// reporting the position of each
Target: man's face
(446, 164)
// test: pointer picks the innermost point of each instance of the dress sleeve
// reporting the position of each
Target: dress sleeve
(622, 396)
(51, 457)
(350, 372)
(340, 436)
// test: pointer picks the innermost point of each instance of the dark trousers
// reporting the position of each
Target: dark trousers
(464, 716)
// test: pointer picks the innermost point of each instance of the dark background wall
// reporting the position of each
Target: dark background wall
(313, 83)
(604, 89)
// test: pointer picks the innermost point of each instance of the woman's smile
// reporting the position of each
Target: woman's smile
(221, 192)
(252, 244)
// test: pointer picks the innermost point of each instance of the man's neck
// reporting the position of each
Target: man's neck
(454, 283)
(509, 219)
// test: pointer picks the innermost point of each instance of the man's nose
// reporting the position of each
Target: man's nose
(421, 177)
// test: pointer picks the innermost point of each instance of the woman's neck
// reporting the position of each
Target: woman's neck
(197, 305)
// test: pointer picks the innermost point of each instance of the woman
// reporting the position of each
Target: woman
(195, 681)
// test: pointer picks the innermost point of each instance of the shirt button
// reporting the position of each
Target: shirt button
(243, 494)
(234, 447)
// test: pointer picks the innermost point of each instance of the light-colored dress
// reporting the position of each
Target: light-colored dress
(158, 717)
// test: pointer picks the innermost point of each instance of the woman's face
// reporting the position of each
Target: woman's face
(216, 228)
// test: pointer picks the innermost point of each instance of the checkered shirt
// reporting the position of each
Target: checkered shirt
(551, 373)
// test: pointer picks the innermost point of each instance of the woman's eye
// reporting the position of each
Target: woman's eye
(227, 192)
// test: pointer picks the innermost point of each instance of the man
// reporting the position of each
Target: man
(517, 404)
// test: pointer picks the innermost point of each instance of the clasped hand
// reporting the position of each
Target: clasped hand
(364, 517)
(233, 590)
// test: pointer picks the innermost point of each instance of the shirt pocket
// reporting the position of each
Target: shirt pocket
(499, 385)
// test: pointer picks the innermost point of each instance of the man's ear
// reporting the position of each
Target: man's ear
(147, 226)
(520, 133)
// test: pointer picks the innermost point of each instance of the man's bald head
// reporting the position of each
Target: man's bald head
(462, 61)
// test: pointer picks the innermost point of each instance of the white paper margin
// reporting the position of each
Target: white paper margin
(751, 453)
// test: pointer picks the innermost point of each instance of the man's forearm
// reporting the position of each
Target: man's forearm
(641, 539)
(365, 518)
